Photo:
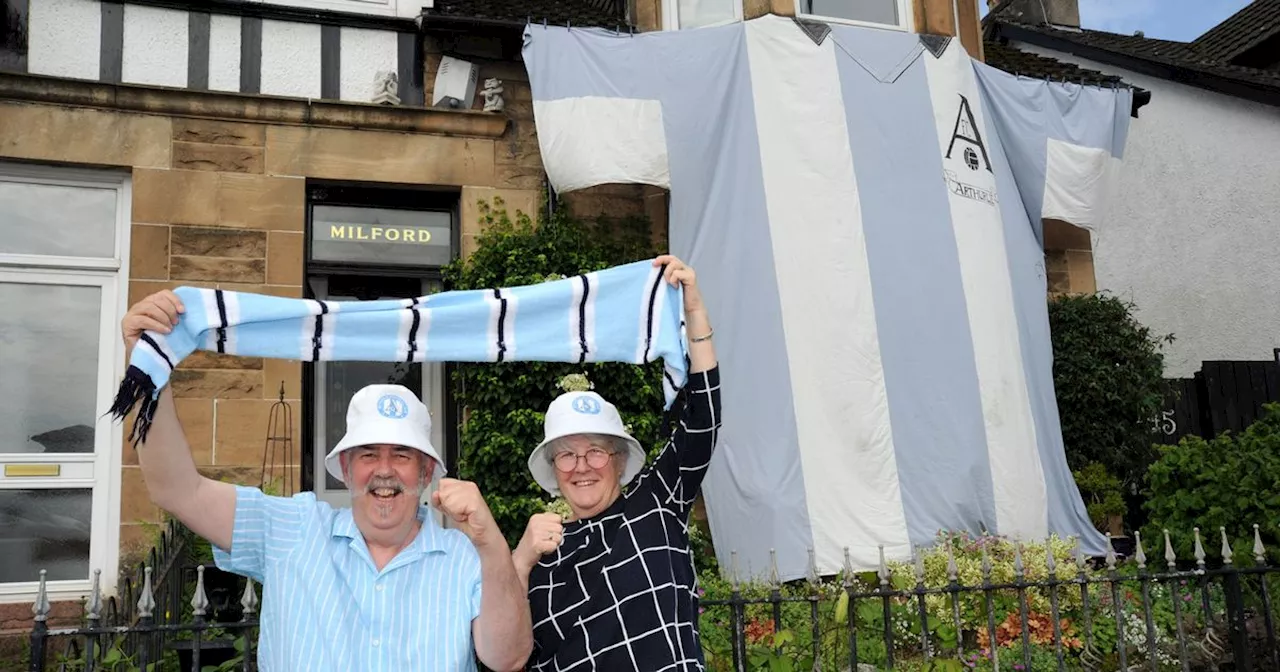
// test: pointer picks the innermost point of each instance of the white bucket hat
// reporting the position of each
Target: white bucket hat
(581, 413)
(385, 414)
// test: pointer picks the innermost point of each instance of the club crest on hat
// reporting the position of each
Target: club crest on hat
(586, 405)
(392, 406)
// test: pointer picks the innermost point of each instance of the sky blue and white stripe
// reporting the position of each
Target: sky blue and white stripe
(326, 607)
(626, 313)
(864, 212)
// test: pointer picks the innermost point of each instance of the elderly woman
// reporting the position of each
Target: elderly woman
(614, 588)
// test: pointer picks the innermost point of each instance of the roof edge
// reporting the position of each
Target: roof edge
(1181, 74)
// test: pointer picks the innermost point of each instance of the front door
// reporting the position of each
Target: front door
(63, 236)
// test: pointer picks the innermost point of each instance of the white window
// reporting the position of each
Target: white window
(63, 242)
(878, 13)
(700, 13)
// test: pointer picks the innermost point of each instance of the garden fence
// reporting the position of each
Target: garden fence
(944, 610)
(1221, 396)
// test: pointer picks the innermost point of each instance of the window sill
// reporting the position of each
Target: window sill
(250, 107)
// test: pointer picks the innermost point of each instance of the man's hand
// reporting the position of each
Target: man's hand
(542, 535)
(158, 312)
(461, 501)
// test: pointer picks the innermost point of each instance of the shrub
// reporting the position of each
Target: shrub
(505, 402)
(1102, 492)
(1108, 375)
(1227, 482)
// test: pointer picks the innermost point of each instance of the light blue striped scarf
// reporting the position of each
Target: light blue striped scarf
(621, 314)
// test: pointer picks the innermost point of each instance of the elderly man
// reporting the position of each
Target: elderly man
(378, 586)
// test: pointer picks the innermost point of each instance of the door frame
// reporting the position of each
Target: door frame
(376, 195)
(111, 274)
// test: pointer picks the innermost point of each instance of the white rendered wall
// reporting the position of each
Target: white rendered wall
(66, 41)
(364, 53)
(290, 59)
(224, 53)
(155, 46)
(1192, 235)
(64, 38)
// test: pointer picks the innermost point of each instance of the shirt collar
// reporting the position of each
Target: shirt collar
(428, 539)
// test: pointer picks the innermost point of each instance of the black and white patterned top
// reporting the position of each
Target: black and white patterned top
(621, 593)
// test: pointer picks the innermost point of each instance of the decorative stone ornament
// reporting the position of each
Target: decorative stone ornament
(492, 93)
(386, 87)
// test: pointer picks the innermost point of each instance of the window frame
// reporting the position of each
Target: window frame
(905, 11)
(111, 275)
(671, 15)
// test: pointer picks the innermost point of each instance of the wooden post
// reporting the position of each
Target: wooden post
(940, 17)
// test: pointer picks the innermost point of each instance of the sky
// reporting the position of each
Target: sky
(1180, 20)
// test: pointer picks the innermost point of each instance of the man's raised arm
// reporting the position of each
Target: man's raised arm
(173, 483)
(502, 628)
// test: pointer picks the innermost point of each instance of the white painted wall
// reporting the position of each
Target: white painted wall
(155, 46)
(290, 59)
(1192, 235)
(64, 38)
(224, 53)
(364, 53)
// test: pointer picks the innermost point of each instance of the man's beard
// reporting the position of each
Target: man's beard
(385, 491)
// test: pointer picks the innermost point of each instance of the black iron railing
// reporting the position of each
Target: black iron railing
(945, 610)
(1083, 614)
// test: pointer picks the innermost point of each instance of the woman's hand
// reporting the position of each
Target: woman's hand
(542, 535)
(678, 272)
(702, 354)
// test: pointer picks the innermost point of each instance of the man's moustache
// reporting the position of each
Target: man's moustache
(379, 483)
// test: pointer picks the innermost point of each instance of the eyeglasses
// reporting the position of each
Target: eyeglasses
(596, 458)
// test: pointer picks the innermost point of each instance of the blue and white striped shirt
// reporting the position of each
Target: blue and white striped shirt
(326, 607)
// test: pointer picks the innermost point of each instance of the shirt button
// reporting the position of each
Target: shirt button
(380, 587)
(375, 642)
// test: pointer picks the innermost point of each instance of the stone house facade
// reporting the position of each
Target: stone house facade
(144, 145)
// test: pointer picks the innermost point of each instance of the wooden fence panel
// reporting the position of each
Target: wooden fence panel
(1222, 396)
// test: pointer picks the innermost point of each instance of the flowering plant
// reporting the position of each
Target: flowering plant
(575, 382)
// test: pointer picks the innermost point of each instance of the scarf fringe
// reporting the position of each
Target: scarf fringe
(137, 389)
